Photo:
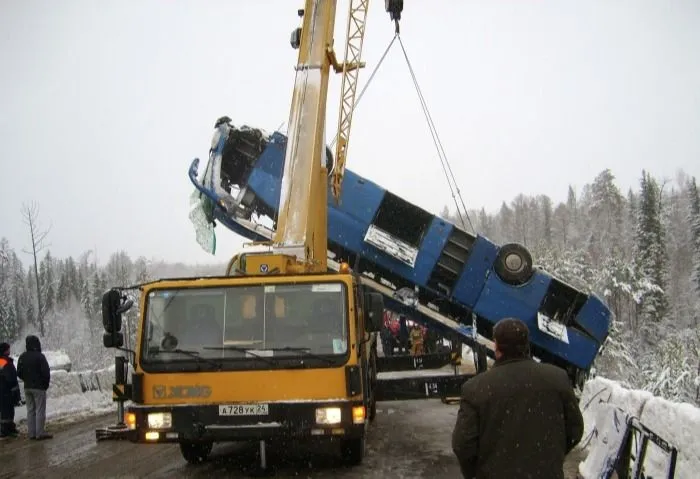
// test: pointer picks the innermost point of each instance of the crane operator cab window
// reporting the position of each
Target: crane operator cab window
(246, 322)
(183, 320)
(201, 327)
(245, 317)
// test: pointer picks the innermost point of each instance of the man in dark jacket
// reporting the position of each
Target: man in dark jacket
(520, 418)
(33, 369)
(9, 393)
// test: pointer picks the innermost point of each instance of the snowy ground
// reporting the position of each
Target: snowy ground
(408, 439)
(606, 406)
(424, 426)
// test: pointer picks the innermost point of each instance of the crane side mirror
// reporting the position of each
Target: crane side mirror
(374, 305)
(112, 310)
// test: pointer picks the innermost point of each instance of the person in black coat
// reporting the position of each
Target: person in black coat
(9, 393)
(518, 419)
(33, 369)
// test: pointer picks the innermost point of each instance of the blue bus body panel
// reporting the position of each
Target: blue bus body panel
(348, 221)
(359, 198)
(501, 300)
(434, 241)
(428, 253)
(473, 278)
(594, 317)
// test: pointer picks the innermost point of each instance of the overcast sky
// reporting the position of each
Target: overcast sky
(103, 105)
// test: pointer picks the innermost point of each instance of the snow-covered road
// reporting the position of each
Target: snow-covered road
(409, 439)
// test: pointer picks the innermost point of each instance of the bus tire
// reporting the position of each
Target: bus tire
(513, 264)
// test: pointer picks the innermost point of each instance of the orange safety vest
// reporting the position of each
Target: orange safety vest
(416, 336)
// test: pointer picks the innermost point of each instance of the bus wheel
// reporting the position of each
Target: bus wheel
(513, 264)
(353, 451)
(195, 452)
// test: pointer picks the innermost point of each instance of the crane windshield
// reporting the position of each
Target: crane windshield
(239, 324)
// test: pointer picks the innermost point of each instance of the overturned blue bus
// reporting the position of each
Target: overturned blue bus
(464, 277)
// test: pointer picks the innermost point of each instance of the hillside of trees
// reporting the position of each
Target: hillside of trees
(68, 313)
(639, 251)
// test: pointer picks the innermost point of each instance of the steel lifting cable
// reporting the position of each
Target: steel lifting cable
(369, 80)
(438, 144)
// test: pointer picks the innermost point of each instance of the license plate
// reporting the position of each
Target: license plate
(243, 410)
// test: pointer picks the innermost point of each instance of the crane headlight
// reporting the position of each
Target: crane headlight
(160, 420)
(328, 415)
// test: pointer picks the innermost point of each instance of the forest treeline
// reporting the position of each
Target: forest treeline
(639, 250)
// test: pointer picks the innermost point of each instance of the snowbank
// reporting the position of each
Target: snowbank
(76, 394)
(58, 360)
(606, 405)
(76, 406)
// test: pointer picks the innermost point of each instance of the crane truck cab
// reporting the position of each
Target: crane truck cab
(254, 357)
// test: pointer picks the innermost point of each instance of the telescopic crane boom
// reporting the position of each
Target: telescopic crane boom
(301, 236)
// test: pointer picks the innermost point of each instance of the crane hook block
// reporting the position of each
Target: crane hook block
(394, 7)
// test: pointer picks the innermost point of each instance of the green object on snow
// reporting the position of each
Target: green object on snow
(201, 216)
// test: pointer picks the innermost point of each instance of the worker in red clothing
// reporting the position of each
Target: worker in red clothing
(9, 393)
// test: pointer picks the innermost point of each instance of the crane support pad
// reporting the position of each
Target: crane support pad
(113, 433)
(409, 363)
(421, 387)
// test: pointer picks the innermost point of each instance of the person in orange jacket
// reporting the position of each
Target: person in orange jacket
(9, 393)
(416, 337)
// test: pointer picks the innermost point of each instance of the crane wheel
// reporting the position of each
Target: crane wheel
(353, 451)
(372, 413)
(195, 452)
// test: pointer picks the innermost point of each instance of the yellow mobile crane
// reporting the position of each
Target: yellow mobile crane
(279, 347)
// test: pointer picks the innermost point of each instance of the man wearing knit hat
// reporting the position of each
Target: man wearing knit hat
(520, 418)
(9, 393)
